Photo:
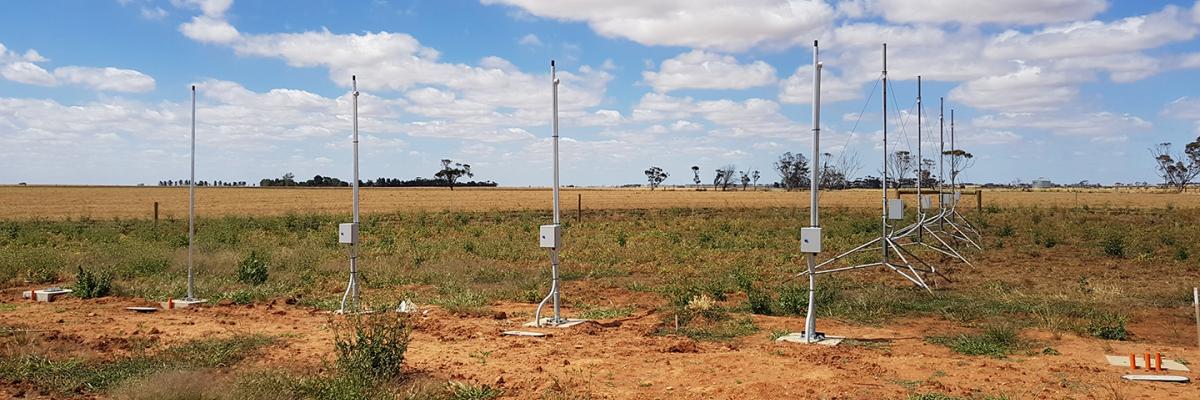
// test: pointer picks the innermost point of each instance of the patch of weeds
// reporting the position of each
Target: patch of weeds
(621, 239)
(1050, 351)
(1113, 245)
(1005, 230)
(778, 333)
(470, 391)
(90, 285)
(462, 301)
(77, 376)
(372, 346)
(253, 269)
(1108, 326)
(1181, 254)
(994, 342)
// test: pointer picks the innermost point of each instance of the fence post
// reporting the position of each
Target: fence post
(579, 208)
(156, 214)
(979, 201)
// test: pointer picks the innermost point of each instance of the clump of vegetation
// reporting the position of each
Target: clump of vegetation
(89, 285)
(1005, 230)
(469, 391)
(77, 376)
(253, 269)
(994, 342)
(372, 346)
(1108, 326)
(1113, 245)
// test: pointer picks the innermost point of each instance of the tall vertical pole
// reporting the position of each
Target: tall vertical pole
(941, 160)
(810, 321)
(191, 284)
(953, 160)
(885, 159)
(920, 162)
(554, 251)
(354, 189)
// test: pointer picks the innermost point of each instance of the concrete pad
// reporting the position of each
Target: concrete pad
(142, 309)
(1123, 361)
(1157, 378)
(45, 295)
(798, 337)
(523, 333)
(178, 303)
(566, 324)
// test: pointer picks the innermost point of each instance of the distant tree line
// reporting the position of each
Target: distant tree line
(448, 176)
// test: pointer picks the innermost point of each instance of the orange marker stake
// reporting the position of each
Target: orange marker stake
(170, 304)
(1158, 362)
(1149, 367)
(1132, 362)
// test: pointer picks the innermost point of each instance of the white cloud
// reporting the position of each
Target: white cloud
(798, 88)
(1025, 12)
(206, 29)
(1094, 125)
(530, 40)
(1094, 38)
(699, 69)
(1187, 108)
(27, 73)
(156, 13)
(707, 24)
(111, 79)
(1026, 90)
(212, 8)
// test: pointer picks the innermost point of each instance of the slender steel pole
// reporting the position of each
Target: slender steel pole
(810, 320)
(191, 294)
(920, 162)
(885, 157)
(953, 160)
(554, 251)
(354, 189)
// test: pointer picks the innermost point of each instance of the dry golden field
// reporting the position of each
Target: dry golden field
(57, 202)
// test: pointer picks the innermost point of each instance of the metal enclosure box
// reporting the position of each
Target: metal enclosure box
(947, 199)
(926, 202)
(550, 236)
(348, 233)
(810, 240)
(895, 209)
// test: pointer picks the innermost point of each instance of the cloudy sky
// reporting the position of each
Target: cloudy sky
(98, 91)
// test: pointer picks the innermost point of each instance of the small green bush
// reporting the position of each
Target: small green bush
(468, 391)
(1108, 326)
(1113, 245)
(994, 342)
(1005, 230)
(253, 269)
(90, 285)
(372, 346)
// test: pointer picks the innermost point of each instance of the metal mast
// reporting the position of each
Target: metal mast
(810, 321)
(352, 292)
(885, 155)
(551, 233)
(920, 162)
(191, 283)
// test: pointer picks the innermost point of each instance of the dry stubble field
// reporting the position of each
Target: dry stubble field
(687, 290)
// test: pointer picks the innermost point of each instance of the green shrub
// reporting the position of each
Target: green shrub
(253, 269)
(90, 285)
(371, 346)
(995, 342)
(1005, 230)
(467, 391)
(1108, 326)
(1181, 254)
(1114, 245)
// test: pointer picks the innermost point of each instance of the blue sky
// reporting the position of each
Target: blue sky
(96, 92)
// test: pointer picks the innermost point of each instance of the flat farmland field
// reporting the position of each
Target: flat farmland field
(57, 202)
(685, 292)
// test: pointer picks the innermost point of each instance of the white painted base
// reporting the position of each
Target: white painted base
(798, 337)
(1157, 378)
(523, 333)
(546, 323)
(45, 295)
(142, 309)
(1119, 361)
(179, 303)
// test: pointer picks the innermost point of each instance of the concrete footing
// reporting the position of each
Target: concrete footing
(545, 323)
(798, 337)
(181, 303)
(45, 295)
